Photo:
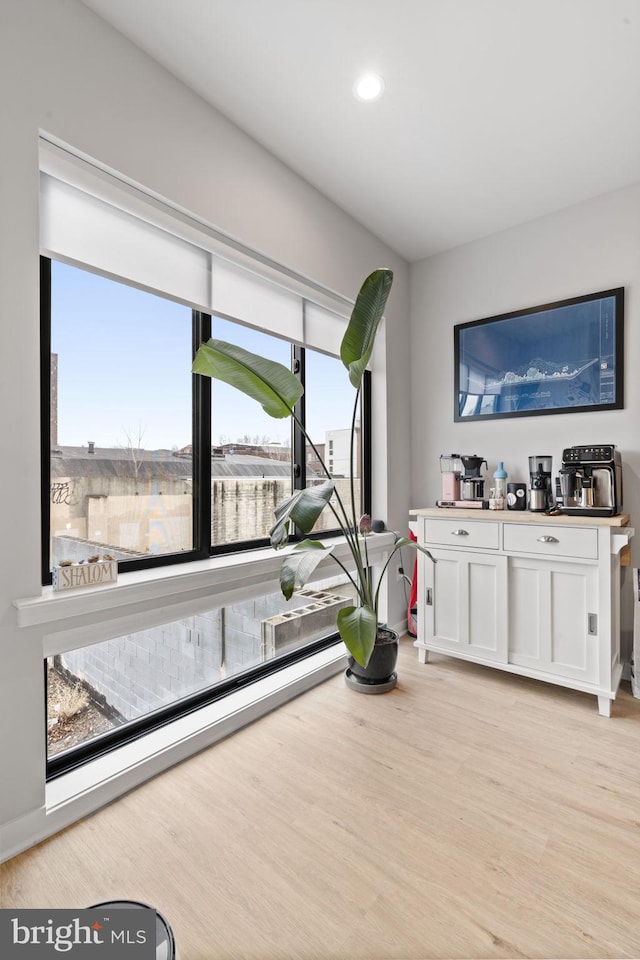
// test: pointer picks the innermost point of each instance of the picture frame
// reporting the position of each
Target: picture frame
(561, 357)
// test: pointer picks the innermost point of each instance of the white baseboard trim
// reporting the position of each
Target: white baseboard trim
(83, 791)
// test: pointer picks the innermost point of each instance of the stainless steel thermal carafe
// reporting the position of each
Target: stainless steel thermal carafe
(538, 499)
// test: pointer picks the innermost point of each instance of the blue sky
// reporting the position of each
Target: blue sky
(124, 371)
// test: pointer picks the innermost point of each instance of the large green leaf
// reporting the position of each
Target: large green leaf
(298, 565)
(303, 509)
(359, 338)
(358, 627)
(268, 382)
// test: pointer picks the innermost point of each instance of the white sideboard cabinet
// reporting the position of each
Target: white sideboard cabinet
(526, 593)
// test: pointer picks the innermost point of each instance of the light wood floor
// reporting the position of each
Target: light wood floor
(466, 814)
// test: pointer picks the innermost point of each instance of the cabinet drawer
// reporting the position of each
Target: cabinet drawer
(463, 533)
(551, 541)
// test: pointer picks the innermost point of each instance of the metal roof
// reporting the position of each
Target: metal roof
(152, 464)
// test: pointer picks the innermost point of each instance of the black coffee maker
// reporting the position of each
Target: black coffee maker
(472, 482)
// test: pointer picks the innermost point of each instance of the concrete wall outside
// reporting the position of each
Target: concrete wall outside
(143, 671)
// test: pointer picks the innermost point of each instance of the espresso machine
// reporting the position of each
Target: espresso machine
(540, 490)
(591, 481)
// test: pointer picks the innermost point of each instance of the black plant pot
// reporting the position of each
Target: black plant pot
(379, 675)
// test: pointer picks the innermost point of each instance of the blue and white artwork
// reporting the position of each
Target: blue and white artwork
(557, 358)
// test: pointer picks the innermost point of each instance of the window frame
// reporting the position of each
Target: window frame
(59, 764)
(201, 445)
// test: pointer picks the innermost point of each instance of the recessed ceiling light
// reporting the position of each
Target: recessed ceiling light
(369, 87)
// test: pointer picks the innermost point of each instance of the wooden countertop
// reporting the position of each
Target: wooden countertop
(519, 516)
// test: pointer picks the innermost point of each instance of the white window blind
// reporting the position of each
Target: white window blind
(236, 294)
(323, 329)
(93, 218)
(78, 227)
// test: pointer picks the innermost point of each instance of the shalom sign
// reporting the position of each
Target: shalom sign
(70, 576)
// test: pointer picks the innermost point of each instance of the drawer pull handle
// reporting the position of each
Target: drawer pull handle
(548, 540)
(460, 533)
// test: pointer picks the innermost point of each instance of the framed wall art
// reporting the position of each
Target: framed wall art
(562, 357)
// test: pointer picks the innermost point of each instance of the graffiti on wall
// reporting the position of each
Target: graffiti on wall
(62, 492)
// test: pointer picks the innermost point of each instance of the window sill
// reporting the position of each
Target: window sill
(215, 579)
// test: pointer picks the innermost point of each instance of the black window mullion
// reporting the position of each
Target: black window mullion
(45, 415)
(299, 442)
(298, 439)
(201, 443)
(366, 442)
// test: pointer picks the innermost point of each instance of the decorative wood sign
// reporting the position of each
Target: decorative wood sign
(89, 574)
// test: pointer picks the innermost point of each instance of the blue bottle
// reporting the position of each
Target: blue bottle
(500, 482)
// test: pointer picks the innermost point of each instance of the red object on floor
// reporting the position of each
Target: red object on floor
(413, 593)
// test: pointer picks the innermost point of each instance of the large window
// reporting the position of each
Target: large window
(149, 465)
(329, 407)
(252, 466)
(120, 420)
(102, 693)
(132, 442)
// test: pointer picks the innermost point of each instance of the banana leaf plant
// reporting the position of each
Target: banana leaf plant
(276, 388)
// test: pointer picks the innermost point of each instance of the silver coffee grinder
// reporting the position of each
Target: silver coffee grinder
(540, 490)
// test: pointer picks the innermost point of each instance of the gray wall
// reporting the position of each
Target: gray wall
(65, 72)
(586, 248)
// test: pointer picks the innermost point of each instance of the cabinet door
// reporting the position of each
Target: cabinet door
(465, 604)
(553, 617)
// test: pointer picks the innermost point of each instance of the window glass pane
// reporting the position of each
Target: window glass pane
(121, 470)
(329, 411)
(251, 453)
(106, 685)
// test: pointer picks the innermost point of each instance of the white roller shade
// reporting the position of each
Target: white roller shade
(323, 329)
(94, 217)
(79, 227)
(240, 295)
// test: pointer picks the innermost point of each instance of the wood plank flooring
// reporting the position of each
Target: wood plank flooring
(466, 814)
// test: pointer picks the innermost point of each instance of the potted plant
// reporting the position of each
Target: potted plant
(371, 645)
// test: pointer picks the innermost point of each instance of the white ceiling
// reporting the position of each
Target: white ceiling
(495, 111)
